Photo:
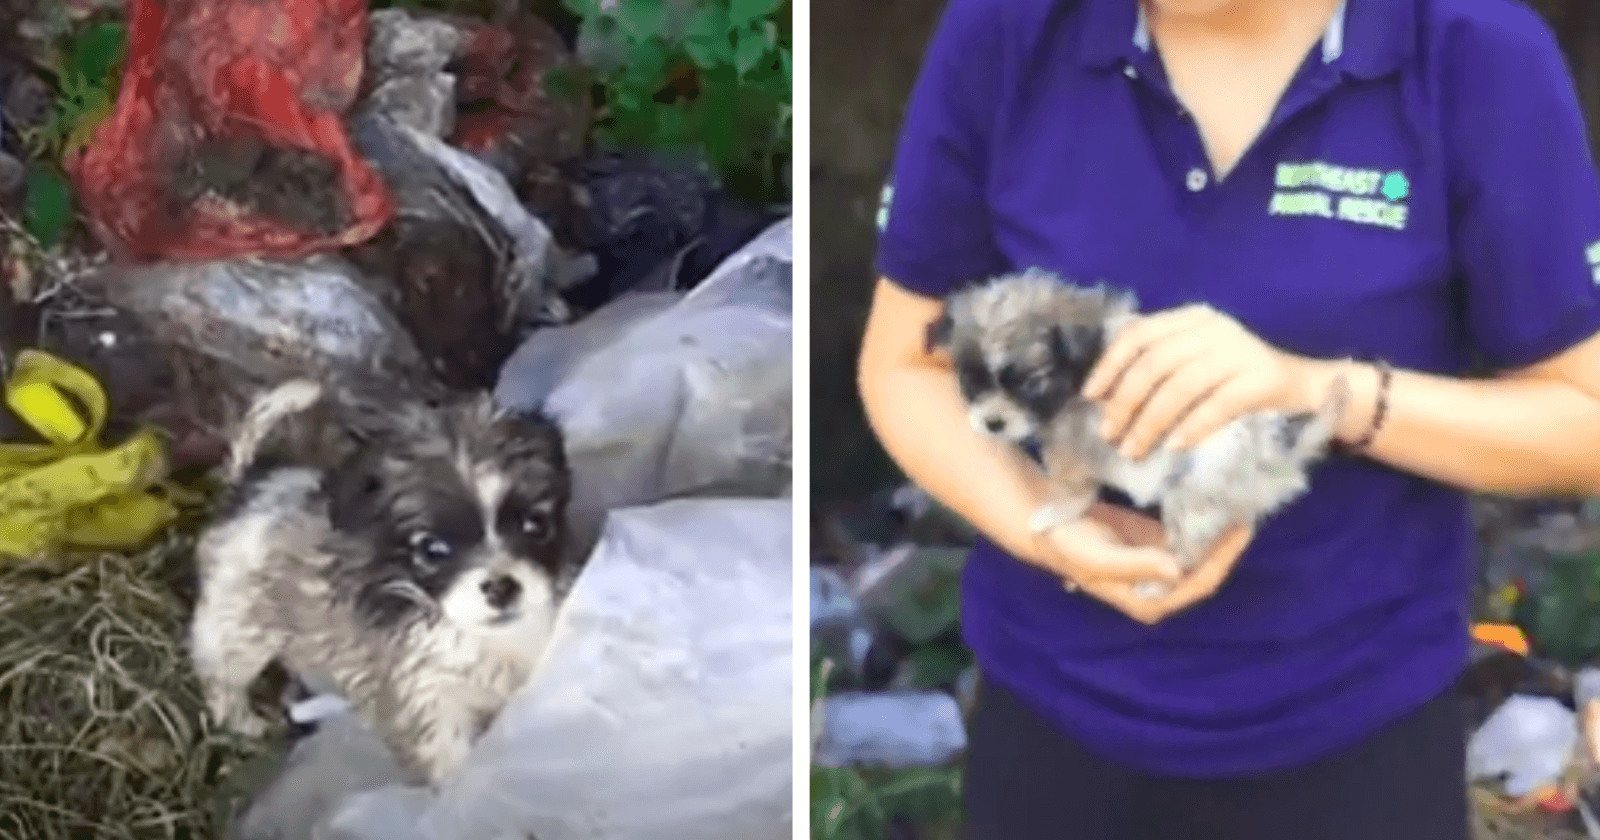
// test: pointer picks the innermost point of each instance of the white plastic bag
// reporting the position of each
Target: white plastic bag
(1529, 740)
(662, 710)
(694, 400)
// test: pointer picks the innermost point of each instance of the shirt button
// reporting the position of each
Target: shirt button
(1197, 180)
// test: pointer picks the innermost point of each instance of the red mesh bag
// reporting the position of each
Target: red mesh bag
(227, 137)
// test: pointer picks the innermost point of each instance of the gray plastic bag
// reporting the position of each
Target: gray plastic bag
(662, 710)
(690, 400)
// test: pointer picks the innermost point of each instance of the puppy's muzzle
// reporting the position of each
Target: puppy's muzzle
(501, 592)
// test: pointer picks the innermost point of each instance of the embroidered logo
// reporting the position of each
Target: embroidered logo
(885, 199)
(1593, 254)
(1395, 186)
(1360, 196)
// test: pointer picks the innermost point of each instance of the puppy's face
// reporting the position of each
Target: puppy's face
(1022, 347)
(465, 509)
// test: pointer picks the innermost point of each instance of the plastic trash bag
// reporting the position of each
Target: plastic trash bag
(662, 710)
(232, 327)
(890, 729)
(343, 757)
(1528, 740)
(406, 60)
(694, 400)
(229, 117)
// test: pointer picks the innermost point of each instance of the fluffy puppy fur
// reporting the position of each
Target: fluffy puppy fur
(1023, 345)
(414, 562)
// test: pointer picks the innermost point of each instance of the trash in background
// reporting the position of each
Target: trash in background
(694, 399)
(227, 136)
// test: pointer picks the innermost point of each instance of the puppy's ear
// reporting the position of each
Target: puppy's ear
(939, 333)
(1076, 349)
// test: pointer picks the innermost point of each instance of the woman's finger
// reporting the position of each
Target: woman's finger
(1205, 579)
(1173, 400)
(1237, 396)
(1132, 340)
(1125, 598)
(1089, 552)
(1146, 375)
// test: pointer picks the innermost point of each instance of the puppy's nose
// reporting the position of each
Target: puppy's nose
(500, 592)
(995, 424)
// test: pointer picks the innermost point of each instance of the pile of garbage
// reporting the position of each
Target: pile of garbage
(303, 187)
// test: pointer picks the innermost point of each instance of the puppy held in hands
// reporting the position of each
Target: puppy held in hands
(1023, 345)
(414, 561)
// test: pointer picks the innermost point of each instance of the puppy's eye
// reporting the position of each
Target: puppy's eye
(534, 525)
(428, 549)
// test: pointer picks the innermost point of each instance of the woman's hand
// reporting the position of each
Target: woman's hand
(1183, 373)
(1110, 550)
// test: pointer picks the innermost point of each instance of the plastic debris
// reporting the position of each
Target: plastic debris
(472, 267)
(406, 61)
(1528, 741)
(233, 327)
(343, 757)
(72, 490)
(227, 138)
(892, 729)
(663, 707)
(692, 400)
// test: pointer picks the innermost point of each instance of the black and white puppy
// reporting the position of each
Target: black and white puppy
(1023, 345)
(415, 562)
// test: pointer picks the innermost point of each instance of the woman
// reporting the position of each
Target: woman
(1393, 189)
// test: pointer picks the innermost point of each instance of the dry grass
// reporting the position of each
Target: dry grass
(102, 728)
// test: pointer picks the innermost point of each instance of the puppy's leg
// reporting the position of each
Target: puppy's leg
(229, 652)
(1193, 525)
(1072, 491)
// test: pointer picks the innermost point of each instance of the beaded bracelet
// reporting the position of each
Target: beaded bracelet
(1385, 376)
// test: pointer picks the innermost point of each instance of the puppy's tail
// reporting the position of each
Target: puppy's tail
(1311, 433)
(265, 413)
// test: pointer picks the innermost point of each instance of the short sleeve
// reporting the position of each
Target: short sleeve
(933, 225)
(1526, 195)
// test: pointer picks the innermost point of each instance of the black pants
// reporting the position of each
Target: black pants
(1027, 781)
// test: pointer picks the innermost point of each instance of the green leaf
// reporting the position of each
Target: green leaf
(748, 51)
(582, 8)
(672, 125)
(642, 18)
(741, 12)
(647, 61)
(99, 49)
(49, 206)
(705, 52)
(708, 21)
(770, 29)
(937, 666)
(603, 44)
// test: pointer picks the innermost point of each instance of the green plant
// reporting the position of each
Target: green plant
(712, 74)
(849, 803)
(87, 70)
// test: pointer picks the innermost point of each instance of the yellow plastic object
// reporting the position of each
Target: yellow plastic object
(71, 491)
(1506, 636)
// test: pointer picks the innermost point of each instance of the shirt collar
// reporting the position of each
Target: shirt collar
(1366, 38)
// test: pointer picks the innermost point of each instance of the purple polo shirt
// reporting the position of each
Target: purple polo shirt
(1424, 194)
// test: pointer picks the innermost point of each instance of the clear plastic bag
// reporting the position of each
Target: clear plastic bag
(1528, 740)
(662, 710)
(694, 400)
(233, 327)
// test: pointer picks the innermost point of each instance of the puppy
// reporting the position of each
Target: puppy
(415, 562)
(1023, 345)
